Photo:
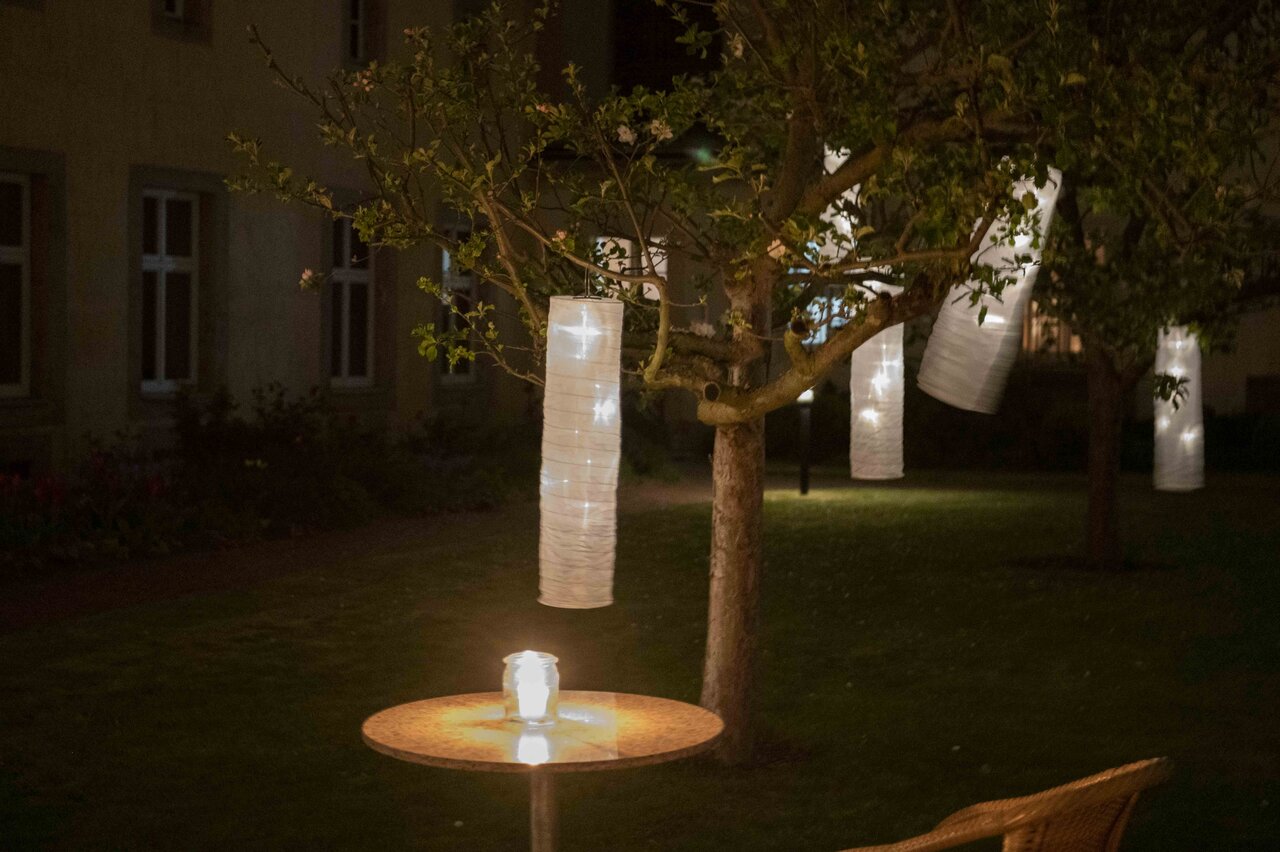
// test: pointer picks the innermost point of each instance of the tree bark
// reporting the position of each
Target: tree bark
(1107, 393)
(737, 515)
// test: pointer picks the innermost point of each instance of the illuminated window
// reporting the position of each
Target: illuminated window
(827, 315)
(460, 290)
(1046, 335)
(170, 288)
(350, 309)
(625, 255)
(15, 285)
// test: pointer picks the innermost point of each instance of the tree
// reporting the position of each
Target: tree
(936, 107)
(1160, 219)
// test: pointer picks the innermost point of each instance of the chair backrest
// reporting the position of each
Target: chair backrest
(1088, 815)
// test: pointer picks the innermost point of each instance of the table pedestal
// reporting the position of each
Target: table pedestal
(542, 812)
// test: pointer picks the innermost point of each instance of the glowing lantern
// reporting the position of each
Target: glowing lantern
(967, 363)
(1179, 439)
(875, 398)
(581, 444)
(531, 687)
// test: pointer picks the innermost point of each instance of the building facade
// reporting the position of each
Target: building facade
(128, 271)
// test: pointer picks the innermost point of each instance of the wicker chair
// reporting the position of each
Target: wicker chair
(1088, 815)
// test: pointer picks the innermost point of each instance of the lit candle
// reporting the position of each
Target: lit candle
(531, 687)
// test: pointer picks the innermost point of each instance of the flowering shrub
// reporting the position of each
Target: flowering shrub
(115, 505)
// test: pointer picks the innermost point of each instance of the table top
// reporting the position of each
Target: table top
(595, 731)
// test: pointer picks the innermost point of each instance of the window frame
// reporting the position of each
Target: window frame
(21, 256)
(344, 276)
(1039, 327)
(457, 283)
(163, 264)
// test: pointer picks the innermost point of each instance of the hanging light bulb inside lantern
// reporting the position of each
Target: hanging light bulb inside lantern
(531, 687)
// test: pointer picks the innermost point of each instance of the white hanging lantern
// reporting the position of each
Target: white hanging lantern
(1179, 438)
(581, 446)
(875, 399)
(967, 364)
(876, 367)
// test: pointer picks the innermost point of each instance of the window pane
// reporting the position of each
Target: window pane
(359, 252)
(10, 324)
(10, 214)
(177, 325)
(177, 228)
(149, 305)
(358, 356)
(336, 322)
(339, 243)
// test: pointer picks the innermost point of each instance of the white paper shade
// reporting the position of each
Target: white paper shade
(875, 399)
(581, 444)
(967, 364)
(1179, 438)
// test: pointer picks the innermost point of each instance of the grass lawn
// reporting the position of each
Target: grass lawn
(923, 650)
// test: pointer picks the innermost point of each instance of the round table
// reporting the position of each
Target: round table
(595, 731)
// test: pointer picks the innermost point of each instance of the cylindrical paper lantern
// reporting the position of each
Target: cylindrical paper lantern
(1179, 461)
(966, 364)
(875, 397)
(581, 445)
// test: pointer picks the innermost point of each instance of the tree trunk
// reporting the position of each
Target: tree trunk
(1107, 393)
(737, 515)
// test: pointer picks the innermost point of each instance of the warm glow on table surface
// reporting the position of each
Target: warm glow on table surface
(595, 731)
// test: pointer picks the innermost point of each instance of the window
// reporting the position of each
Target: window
(174, 9)
(1046, 335)
(460, 290)
(170, 288)
(363, 36)
(350, 309)
(356, 30)
(15, 285)
(625, 255)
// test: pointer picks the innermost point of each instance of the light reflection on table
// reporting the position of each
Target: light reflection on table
(595, 730)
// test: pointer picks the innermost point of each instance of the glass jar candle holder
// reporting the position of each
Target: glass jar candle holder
(531, 688)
